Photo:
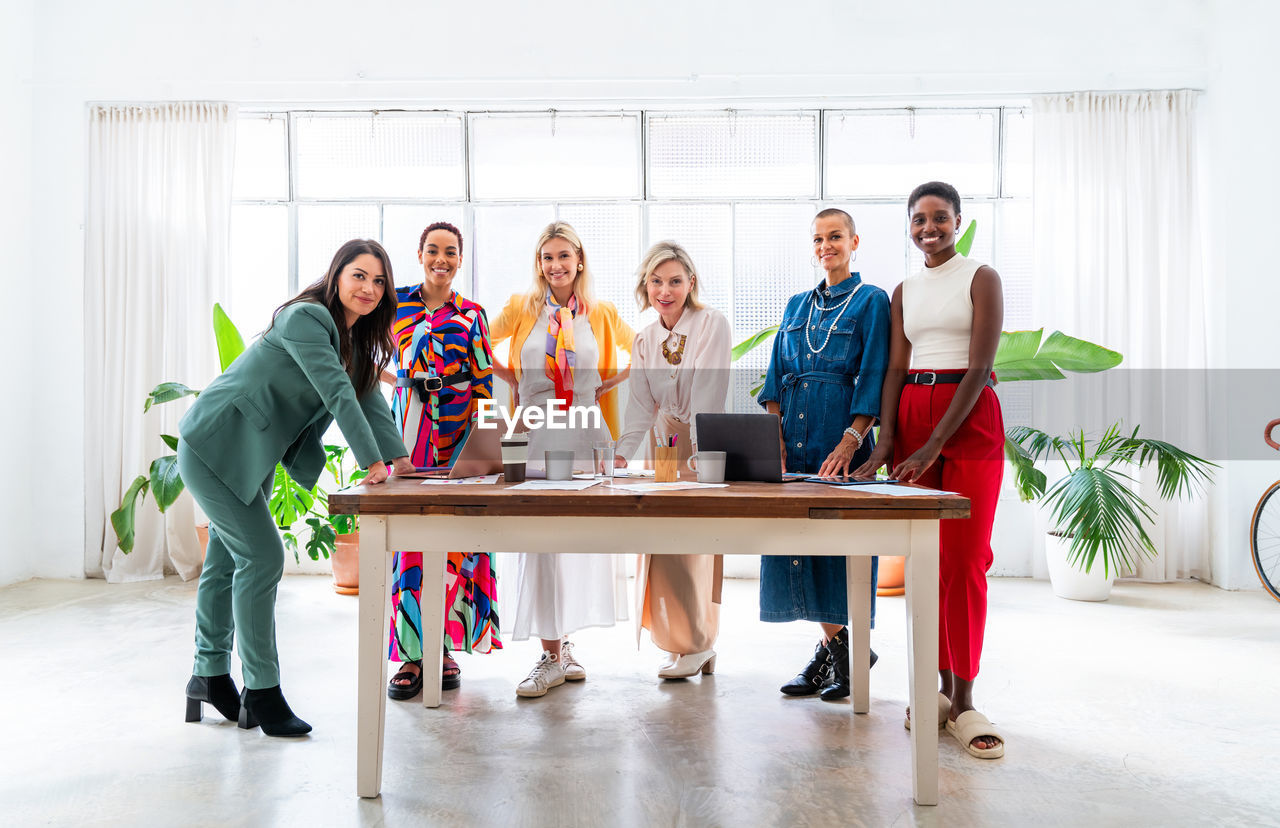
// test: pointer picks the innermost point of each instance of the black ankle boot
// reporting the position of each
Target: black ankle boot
(814, 675)
(837, 686)
(219, 691)
(268, 708)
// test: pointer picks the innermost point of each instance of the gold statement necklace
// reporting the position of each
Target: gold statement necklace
(673, 357)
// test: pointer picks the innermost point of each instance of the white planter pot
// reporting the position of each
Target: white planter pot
(1070, 582)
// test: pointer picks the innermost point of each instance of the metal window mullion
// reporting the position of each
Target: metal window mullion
(293, 248)
(822, 155)
(1000, 126)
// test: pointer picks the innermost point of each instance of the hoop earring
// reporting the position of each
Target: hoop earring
(813, 261)
(855, 257)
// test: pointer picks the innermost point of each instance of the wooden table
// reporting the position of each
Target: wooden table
(744, 518)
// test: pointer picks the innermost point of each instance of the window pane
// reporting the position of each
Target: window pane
(733, 155)
(882, 243)
(379, 155)
(551, 156)
(871, 154)
(1017, 152)
(402, 226)
(504, 251)
(706, 231)
(772, 261)
(323, 228)
(1013, 261)
(262, 158)
(610, 236)
(259, 265)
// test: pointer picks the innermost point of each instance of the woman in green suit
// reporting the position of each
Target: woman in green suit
(318, 362)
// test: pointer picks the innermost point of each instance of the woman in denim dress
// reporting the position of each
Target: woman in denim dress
(828, 363)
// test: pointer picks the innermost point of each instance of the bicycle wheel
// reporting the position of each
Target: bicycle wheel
(1264, 540)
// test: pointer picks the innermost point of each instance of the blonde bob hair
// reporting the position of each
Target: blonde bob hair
(658, 255)
(537, 295)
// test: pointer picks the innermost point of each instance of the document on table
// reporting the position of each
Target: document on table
(633, 472)
(554, 485)
(647, 488)
(445, 481)
(898, 491)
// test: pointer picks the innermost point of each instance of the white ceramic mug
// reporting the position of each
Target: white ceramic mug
(710, 466)
(559, 464)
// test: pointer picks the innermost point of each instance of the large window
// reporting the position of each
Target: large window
(737, 188)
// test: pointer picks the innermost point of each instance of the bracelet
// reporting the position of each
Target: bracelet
(853, 432)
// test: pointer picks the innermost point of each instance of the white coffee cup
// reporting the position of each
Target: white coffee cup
(559, 464)
(710, 466)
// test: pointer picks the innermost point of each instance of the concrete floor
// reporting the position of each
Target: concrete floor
(1158, 707)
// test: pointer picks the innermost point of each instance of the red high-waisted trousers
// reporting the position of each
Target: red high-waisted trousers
(971, 463)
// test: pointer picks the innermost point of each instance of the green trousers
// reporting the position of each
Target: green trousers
(242, 568)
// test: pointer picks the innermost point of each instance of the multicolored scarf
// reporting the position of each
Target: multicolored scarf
(561, 358)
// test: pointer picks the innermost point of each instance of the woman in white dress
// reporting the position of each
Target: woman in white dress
(564, 345)
(680, 369)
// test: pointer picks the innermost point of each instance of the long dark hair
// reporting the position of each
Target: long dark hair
(366, 347)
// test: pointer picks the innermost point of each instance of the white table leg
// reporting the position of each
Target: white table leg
(922, 646)
(371, 656)
(858, 585)
(431, 611)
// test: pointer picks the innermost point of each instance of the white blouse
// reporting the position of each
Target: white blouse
(697, 384)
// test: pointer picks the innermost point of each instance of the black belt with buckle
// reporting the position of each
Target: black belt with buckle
(428, 385)
(935, 378)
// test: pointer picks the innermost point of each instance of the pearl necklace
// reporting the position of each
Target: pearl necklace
(823, 309)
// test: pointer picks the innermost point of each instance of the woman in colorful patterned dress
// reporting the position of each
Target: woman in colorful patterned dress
(444, 365)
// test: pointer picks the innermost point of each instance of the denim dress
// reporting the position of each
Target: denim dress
(828, 363)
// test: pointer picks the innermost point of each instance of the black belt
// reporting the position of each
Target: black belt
(935, 378)
(427, 385)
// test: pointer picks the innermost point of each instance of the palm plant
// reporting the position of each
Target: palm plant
(1095, 505)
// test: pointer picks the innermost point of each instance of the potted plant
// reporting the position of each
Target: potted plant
(1094, 509)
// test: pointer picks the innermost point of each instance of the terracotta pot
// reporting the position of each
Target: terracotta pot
(202, 534)
(891, 575)
(1072, 583)
(346, 564)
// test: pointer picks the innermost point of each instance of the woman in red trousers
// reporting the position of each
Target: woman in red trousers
(941, 426)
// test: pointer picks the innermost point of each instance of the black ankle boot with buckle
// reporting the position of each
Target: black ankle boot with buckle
(814, 675)
(837, 686)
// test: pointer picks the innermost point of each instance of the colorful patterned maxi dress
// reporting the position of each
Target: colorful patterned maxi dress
(452, 339)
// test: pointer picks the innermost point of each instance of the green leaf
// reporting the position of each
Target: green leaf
(965, 242)
(166, 483)
(230, 342)
(289, 501)
(344, 524)
(1102, 517)
(1077, 355)
(322, 539)
(1027, 479)
(170, 441)
(750, 343)
(167, 392)
(291, 543)
(1016, 358)
(123, 519)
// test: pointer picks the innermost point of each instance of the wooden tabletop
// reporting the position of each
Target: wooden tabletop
(814, 501)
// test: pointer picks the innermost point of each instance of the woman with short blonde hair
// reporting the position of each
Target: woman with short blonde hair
(680, 368)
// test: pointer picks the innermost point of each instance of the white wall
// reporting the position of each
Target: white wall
(1243, 177)
(513, 51)
(21, 279)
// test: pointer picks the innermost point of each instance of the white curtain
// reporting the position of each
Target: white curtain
(1118, 262)
(159, 201)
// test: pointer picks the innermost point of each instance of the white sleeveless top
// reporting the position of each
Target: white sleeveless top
(937, 314)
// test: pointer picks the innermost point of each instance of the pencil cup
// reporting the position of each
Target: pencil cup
(666, 463)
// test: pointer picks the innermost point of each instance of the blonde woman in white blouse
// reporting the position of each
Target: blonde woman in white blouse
(679, 368)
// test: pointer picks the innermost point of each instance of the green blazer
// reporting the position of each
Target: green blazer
(274, 403)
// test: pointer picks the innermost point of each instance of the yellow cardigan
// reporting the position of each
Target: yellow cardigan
(608, 328)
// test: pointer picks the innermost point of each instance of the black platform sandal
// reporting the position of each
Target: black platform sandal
(450, 677)
(404, 692)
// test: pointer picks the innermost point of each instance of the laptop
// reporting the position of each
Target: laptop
(749, 441)
(481, 453)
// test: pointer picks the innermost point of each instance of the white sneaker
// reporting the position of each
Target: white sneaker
(573, 671)
(547, 673)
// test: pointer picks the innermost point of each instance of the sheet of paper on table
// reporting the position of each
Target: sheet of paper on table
(633, 472)
(554, 485)
(444, 481)
(645, 488)
(898, 491)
